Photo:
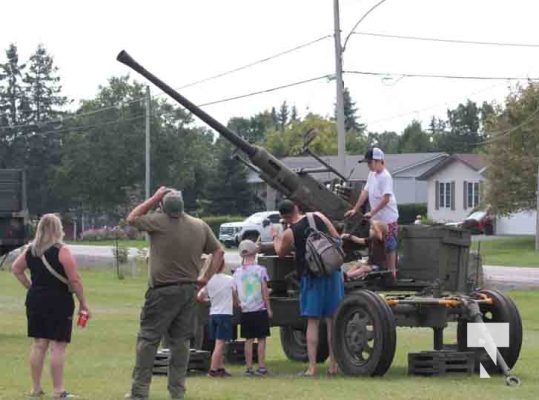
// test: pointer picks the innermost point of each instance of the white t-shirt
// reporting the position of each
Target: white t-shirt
(248, 282)
(379, 184)
(219, 289)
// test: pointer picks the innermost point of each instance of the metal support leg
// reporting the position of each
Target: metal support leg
(438, 338)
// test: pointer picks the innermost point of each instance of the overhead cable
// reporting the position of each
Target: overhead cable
(455, 41)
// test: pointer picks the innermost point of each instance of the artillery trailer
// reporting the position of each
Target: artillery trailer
(438, 277)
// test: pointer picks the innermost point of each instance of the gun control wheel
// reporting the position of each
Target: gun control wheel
(500, 309)
(364, 336)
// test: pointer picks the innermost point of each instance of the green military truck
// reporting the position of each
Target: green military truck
(13, 210)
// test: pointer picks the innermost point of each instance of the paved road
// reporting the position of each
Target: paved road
(500, 277)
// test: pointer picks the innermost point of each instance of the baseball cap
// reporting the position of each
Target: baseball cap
(247, 248)
(373, 153)
(173, 203)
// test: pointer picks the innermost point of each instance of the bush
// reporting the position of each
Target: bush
(408, 212)
(215, 221)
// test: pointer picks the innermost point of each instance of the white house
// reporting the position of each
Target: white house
(454, 188)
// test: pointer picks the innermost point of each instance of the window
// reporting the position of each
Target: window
(473, 194)
(444, 194)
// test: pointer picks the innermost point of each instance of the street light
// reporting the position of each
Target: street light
(339, 50)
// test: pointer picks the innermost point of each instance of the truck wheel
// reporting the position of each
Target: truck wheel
(294, 344)
(364, 336)
(502, 309)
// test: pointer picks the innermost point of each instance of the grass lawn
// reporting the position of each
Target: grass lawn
(510, 251)
(100, 358)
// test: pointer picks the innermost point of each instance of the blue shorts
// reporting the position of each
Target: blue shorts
(391, 243)
(221, 327)
(319, 296)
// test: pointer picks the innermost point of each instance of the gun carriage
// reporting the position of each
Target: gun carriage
(438, 277)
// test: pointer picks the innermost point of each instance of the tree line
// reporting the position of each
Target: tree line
(90, 158)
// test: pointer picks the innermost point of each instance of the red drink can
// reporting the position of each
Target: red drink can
(83, 319)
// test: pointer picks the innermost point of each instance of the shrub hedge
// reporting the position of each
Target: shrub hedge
(408, 212)
(215, 221)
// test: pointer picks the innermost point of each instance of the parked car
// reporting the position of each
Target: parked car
(477, 222)
(254, 227)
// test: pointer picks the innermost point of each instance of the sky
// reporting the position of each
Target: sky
(185, 41)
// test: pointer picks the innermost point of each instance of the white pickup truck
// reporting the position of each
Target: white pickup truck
(256, 226)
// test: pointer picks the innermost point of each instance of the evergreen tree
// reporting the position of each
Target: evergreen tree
(228, 190)
(351, 123)
(43, 141)
(294, 114)
(13, 103)
(282, 117)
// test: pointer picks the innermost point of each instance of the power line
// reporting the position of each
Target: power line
(328, 76)
(469, 77)
(434, 105)
(69, 117)
(456, 41)
(502, 134)
(251, 64)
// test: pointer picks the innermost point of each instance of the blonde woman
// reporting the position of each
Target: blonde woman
(49, 302)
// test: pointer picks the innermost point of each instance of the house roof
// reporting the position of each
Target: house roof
(395, 163)
(474, 161)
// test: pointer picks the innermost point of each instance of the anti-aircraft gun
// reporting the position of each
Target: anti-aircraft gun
(300, 187)
(437, 283)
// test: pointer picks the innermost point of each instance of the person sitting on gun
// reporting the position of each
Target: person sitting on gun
(376, 244)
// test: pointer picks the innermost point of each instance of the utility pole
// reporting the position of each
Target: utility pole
(341, 135)
(147, 180)
(537, 212)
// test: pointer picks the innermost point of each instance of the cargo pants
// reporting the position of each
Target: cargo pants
(170, 310)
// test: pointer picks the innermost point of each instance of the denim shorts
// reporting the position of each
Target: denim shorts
(391, 243)
(221, 327)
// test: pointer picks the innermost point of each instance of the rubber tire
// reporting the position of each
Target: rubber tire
(294, 344)
(503, 310)
(384, 334)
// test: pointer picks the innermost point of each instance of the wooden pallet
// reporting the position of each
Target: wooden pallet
(429, 363)
(199, 360)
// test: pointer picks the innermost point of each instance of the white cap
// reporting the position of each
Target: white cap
(247, 248)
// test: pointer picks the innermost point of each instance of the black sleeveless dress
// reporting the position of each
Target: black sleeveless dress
(49, 305)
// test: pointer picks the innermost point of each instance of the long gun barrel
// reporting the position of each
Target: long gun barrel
(301, 188)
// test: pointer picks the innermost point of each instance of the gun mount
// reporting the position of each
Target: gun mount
(299, 187)
(435, 286)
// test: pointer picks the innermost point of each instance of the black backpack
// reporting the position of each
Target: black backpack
(323, 253)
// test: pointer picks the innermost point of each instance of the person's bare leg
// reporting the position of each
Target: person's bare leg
(391, 259)
(38, 352)
(333, 366)
(217, 355)
(248, 352)
(57, 365)
(312, 344)
(261, 352)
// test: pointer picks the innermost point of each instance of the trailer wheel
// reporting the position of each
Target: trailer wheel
(294, 344)
(364, 336)
(503, 309)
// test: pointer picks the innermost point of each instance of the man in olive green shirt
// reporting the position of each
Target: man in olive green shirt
(177, 241)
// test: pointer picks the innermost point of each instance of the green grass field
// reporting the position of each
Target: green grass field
(511, 251)
(100, 358)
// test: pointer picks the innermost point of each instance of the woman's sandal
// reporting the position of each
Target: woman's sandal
(306, 374)
(36, 395)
